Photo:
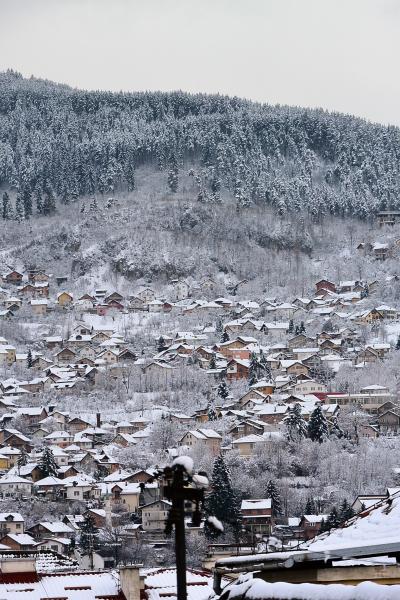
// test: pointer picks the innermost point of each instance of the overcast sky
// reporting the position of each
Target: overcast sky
(339, 54)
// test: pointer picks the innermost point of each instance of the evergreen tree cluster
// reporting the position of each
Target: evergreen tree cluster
(337, 517)
(317, 429)
(296, 426)
(59, 143)
(259, 368)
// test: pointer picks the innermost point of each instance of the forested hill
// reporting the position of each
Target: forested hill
(58, 143)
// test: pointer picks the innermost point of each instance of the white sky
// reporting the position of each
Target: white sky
(339, 54)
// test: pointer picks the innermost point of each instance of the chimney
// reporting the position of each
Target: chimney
(130, 581)
(98, 420)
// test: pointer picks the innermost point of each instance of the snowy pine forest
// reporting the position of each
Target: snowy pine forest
(125, 187)
(58, 143)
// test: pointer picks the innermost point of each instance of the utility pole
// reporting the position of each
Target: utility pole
(175, 492)
(177, 487)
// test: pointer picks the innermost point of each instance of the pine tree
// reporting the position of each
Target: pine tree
(215, 184)
(297, 330)
(27, 202)
(19, 208)
(88, 534)
(398, 343)
(296, 426)
(29, 359)
(291, 326)
(323, 527)
(213, 361)
(273, 493)
(335, 429)
(318, 425)
(281, 206)
(223, 502)
(333, 519)
(365, 291)
(6, 207)
(173, 176)
(346, 512)
(302, 328)
(23, 458)
(101, 471)
(223, 391)
(262, 363)
(253, 369)
(328, 326)
(130, 178)
(47, 463)
(37, 196)
(65, 194)
(267, 371)
(93, 205)
(161, 345)
(211, 412)
(91, 183)
(225, 337)
(49, 201)
(173, 181)
(309, 508)
(219, 327)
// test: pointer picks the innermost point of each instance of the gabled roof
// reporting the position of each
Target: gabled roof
(49, 481)
(23, 539)
(13, 516)
(12, 479)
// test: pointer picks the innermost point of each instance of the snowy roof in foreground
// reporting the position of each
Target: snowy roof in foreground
(248, 588)
(67, 586)
(377, 526)
(161, 583)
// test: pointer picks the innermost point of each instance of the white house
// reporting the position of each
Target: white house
(13, 486)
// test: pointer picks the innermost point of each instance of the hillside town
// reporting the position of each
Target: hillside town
(78, 474)
(199, 300)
